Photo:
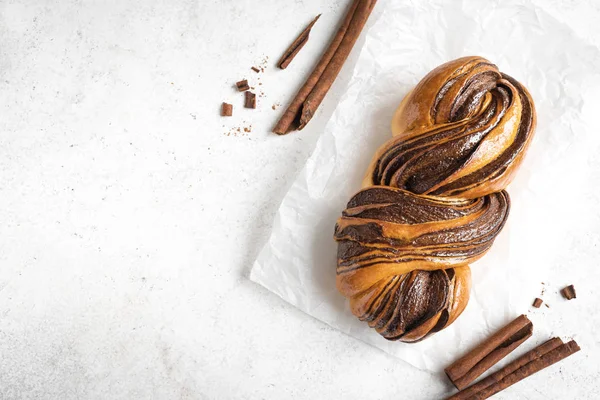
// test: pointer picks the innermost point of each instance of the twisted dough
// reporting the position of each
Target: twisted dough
(433, 199)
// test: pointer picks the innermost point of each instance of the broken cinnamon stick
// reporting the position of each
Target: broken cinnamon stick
(226, 110)
(312, 93)
(297, 45)
(481, 358)
(509, 369)
(250, 100)
(538, 364)
(537, 303)
(569, 292)
(242, 86)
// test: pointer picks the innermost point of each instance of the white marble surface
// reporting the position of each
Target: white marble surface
(129, 218)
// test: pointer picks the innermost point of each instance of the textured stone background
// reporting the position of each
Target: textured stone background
(130, 211)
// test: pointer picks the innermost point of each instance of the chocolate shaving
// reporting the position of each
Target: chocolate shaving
(242, 86)
(537, 303)
(226, 110)
(296, 46)
(250, 100)
(569, 292)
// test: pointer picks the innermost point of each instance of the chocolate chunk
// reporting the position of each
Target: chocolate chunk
(569, 292)
(537, 303)
(250, 100)
(226, 110)
(242, 86)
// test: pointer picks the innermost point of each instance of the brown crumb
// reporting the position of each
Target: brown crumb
(238, 131)
(263, 64)
(569, 292)
(257, 70)
(537, 302)
(546, 304)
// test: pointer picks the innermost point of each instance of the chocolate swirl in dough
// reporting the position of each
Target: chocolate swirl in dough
(433, 199)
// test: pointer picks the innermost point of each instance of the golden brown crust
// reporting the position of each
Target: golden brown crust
(433, 199)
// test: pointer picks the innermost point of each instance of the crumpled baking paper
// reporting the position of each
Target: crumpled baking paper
(406, 40)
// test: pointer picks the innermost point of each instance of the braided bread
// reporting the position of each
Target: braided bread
(433, 199)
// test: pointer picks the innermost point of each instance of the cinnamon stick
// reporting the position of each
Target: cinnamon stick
(481, 358)
(297, 45)
(538, 364)
(509, 369)
(312, 93)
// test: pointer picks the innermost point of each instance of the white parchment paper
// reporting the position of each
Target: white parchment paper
(552, 196)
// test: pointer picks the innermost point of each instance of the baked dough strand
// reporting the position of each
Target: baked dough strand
(433, 199)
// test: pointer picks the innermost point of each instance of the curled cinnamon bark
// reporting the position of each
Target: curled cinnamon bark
(297, 45)
(312, 93)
